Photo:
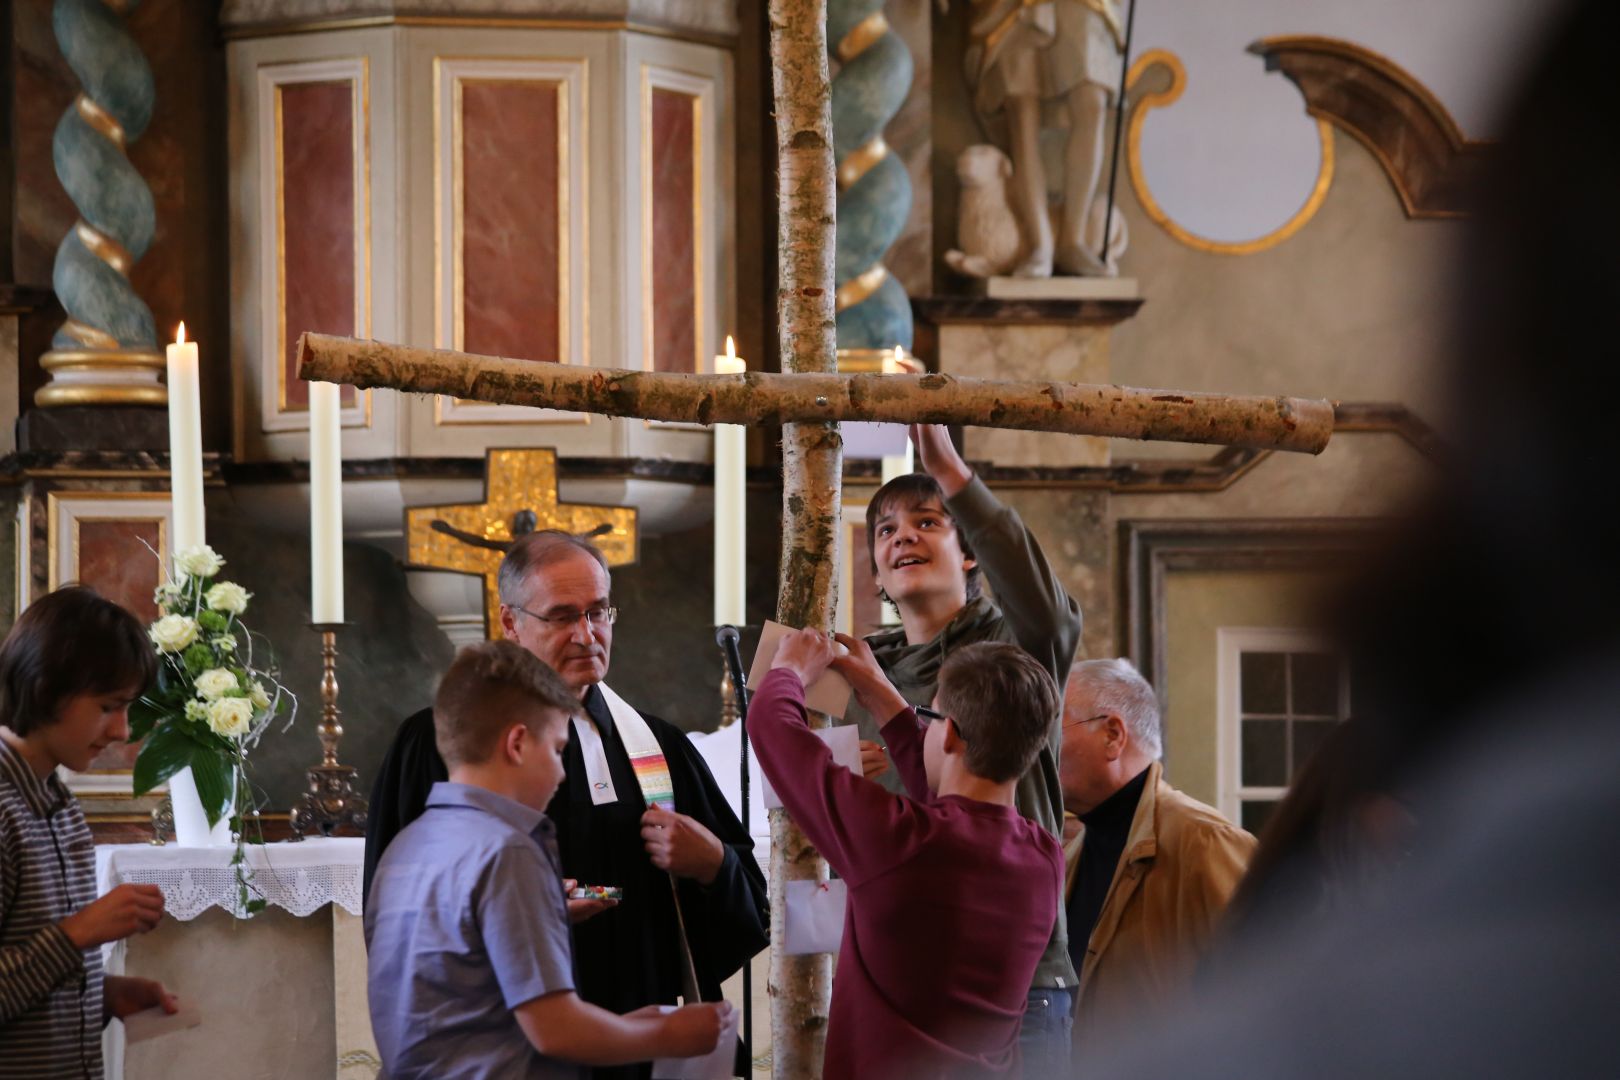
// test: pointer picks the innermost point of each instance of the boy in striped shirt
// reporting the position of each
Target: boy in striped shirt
(69, 670)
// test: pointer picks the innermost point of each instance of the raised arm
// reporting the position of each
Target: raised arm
(1044, 618)
(903, 732)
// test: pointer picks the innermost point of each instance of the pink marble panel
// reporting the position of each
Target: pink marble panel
(318, 233)
(674, 231)
(113, 557)
(866, 610)
(510, 242)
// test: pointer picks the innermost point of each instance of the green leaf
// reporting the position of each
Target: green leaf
(213, 782)
(255, 906)
(144, 715)
(165, 752)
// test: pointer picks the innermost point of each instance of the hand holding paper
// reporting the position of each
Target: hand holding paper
(826, 693)
(872, 688)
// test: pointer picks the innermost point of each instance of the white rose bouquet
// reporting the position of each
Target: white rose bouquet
(210, 704)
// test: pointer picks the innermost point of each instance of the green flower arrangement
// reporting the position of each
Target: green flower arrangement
(210, 703)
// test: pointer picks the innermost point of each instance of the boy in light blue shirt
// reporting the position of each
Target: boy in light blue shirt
(470, 969)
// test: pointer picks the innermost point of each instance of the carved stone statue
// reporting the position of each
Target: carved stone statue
(988, 228)
(1064, 56)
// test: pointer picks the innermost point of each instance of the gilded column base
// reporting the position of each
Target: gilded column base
(102, 377)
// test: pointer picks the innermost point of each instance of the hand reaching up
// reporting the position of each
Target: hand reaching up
(939, 458)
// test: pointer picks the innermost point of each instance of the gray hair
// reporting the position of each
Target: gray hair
(532, 551)
(1118, 688)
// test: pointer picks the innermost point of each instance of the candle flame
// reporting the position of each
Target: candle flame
(731, 348)
(180, 334)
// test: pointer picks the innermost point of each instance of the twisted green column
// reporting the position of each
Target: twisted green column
(106, 351)
(874, 191)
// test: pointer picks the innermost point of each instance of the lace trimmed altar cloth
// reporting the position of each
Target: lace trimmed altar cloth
(300, 878)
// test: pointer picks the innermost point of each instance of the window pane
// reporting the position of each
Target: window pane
(1265, 753)
(1262, 683)
(1254, 814)
(1316, 684)
(1308, 735)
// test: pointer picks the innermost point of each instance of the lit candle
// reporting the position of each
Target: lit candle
(730, 519)
(185, 443)
(900, 464)
(325, 504)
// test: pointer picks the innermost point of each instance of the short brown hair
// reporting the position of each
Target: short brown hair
(69, 642)
(907, 492)
(1003, 703)
(485, 692)
(531, 551)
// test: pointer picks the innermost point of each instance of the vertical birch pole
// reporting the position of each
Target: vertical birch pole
(812, 469)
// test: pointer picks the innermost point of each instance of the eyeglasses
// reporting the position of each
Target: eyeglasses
(1087, 720)
(567, 620)
(934, 714)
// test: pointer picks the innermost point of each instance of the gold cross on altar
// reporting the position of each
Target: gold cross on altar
(520, 495)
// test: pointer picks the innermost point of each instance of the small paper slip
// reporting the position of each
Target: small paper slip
(845, 743)
(150, 1023)
(828, 694)
(718, 1064)
(814, 920)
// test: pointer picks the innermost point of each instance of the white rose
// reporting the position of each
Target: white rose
(259, 695)
(173, 633)
(231, 716)
(228, 597)
(215, 683)
(199, 561)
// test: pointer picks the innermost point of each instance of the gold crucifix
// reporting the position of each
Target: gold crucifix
(520, 496)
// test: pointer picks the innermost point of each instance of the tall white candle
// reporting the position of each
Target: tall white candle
(901, 464)
(325, 504)
(185, 443)
(730, 517)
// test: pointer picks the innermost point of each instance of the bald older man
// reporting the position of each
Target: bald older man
(1149, 869)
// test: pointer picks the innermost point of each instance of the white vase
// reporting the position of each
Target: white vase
(190, 822)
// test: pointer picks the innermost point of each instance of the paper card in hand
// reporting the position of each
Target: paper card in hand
(845, 744)
(718, 1064)
(814, 920)
(828, 694)
(150, 1023)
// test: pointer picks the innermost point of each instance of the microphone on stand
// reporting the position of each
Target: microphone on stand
(727, 638)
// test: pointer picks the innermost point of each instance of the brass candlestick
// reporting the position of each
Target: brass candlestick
(331, 801)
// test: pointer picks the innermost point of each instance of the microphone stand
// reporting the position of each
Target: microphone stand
(727, 638)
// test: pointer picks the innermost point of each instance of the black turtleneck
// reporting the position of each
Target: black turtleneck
(1107, 826)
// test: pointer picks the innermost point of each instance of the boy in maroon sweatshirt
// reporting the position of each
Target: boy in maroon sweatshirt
(952, 893)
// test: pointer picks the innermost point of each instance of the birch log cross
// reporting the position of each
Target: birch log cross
(758, 399)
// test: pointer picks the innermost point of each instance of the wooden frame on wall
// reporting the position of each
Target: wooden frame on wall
(1151, 550)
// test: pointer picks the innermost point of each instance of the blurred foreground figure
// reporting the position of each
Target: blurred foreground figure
(1489, 658)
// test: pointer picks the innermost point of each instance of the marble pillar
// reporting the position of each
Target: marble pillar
(106, 352)
(874, 188)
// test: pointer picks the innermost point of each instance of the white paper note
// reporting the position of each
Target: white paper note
(828, 694)
(814, 920)
(845, 743)
(718, 1064)
(150, 1023)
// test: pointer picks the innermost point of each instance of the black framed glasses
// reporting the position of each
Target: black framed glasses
(934, 714)
(567, 620)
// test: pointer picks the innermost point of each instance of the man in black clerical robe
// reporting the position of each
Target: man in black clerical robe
(555, 602)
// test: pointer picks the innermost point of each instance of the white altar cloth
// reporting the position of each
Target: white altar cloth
(300, 878)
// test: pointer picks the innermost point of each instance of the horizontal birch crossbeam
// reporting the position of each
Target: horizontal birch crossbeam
(757, 399)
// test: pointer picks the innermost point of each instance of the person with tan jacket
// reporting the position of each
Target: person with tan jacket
(1149, 870)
